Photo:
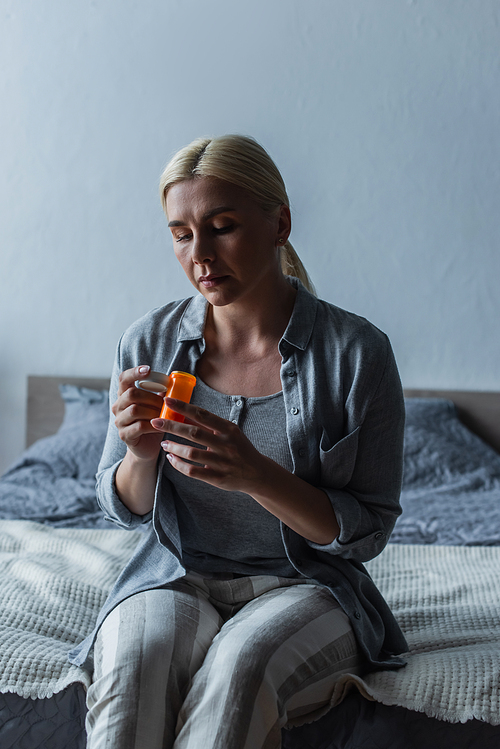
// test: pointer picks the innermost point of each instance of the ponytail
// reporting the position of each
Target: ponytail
(292, 265)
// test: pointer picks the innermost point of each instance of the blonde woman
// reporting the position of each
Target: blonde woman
(247, 599)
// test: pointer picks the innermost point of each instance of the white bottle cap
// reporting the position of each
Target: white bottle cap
(155, 382)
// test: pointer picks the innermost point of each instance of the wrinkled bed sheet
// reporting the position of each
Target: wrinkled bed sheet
(53, 481)
(451, 489)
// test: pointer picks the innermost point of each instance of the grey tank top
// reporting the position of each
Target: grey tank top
(225, 532)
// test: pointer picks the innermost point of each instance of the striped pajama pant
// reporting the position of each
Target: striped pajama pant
(217, 664)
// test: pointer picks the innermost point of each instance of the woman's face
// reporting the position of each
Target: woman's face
(224, 241)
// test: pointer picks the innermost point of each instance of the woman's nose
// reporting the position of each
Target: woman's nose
(202, 251)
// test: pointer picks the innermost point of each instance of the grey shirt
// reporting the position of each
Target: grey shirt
(344, 411)
(226, 531)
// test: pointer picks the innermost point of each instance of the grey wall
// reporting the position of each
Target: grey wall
(383, 116)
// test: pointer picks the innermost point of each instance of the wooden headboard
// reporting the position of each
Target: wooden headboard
(479, 411)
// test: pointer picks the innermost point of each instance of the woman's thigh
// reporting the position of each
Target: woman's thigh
(274, 662)
(296, 633)
(148, 648)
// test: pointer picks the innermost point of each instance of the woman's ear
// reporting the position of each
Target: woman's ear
(284, 225)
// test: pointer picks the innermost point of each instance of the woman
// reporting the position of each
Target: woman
(247, 598)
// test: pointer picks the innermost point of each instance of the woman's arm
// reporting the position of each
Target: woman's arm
(135, 482)
(362, 474)
(304, 508)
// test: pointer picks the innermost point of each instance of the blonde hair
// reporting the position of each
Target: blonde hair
(241, 161)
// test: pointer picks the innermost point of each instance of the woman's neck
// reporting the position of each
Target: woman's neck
(241, 345)
(251, 323)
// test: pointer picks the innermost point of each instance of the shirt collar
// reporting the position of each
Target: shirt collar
(301, 323)
(192, 322)
(298, 330)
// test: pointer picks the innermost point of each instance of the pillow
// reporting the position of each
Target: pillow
(75, 450)
(439, 449)
(83, 406)
(83, 431)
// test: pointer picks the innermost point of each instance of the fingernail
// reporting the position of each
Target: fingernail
(144, 370)
(157, 423)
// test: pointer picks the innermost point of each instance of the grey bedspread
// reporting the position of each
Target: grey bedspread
(53, 481)
(451, 490)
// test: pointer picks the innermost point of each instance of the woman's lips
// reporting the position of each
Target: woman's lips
(210, 281)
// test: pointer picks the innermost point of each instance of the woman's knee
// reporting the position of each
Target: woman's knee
(156, 630)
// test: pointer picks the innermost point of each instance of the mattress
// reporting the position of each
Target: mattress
(56, 722)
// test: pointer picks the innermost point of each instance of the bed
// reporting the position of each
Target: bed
(440, 573)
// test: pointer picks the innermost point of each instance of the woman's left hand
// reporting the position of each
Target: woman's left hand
(230, 461)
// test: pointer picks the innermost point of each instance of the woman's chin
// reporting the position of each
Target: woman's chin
(220, 294)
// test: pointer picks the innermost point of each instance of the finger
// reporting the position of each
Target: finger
(142, 399)
(197, 415)
(194, 454)
(134, 431)
(136, 412)
(129, 376)
(127, 410)
(192, 431)
(194, 471)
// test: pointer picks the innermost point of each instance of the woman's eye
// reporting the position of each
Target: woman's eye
(182, 237)
(223, 229)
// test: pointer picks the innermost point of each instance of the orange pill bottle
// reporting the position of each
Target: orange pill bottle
(180, 386)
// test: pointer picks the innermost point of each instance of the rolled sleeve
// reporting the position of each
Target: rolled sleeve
(111, 504)
(363, 549)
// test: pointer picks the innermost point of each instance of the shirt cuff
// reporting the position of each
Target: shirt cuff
(111, 504)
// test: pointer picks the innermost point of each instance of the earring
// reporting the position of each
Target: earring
(281, 241)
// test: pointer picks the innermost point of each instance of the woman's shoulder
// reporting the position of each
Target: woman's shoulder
(347, 328)
(353, 345)
(167, 315)
(158, 331)
(331, 321)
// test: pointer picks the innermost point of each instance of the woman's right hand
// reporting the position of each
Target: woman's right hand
(133, 411)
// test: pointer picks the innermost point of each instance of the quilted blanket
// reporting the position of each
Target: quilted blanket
(446, 598)
(54, 581)
(447, 601)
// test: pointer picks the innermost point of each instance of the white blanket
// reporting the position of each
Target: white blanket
(447, 600)
(53, 583)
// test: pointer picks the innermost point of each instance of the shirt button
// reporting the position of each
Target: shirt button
(379, 534)
(302, 452)
(294, 411)
(292, 373)
(357, 615)
(238, 402)
(235, 421)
